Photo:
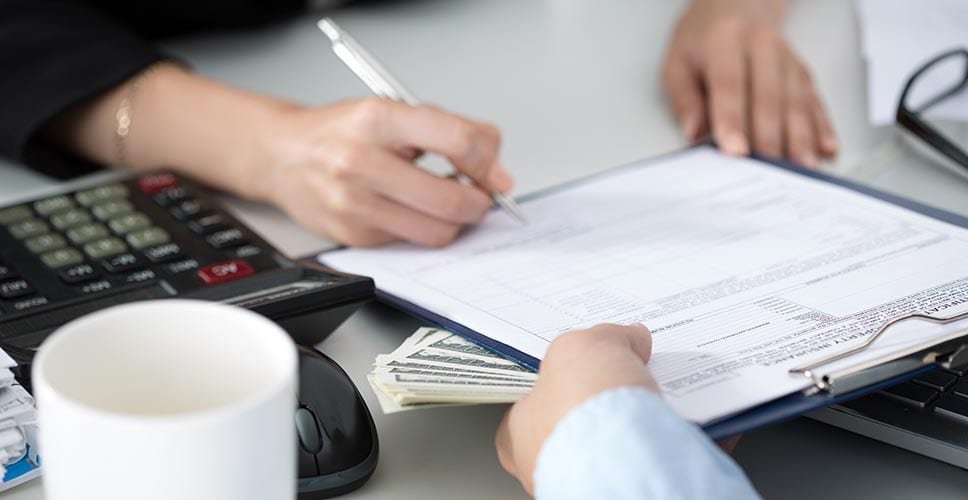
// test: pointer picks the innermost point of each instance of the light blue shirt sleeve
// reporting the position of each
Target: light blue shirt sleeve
(626, 443)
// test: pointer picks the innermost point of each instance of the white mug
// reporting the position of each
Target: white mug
(165, 400)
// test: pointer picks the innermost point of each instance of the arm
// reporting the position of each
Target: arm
(729, 72)
(55, 55)
(627, 444)
(344, 170)
(602, 431)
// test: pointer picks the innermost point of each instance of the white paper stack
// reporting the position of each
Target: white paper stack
(19, 458)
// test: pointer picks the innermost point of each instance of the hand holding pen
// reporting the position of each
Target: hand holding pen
(348, 170)
(385, 85)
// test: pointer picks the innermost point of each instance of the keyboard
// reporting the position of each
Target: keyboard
(944, 392)
(927, 415)
(154, 236)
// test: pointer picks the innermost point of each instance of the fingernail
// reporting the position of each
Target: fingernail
(808, 159)
(735, 144)
(500, 179)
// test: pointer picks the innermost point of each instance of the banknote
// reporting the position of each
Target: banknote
(434, 367)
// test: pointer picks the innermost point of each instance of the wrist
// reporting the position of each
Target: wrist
(268, 146)
(582, 444)
(202, 129)
(769, 12)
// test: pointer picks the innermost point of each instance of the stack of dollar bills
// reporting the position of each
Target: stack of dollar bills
(438, 368)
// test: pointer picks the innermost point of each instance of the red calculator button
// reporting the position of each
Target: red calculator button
(151, 184)
(225, 271)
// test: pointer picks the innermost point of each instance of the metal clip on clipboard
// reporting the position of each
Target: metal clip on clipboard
(949, 351)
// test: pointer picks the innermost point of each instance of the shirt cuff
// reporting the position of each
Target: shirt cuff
(627, 443)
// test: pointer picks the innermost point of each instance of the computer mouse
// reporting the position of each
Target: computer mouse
(338, 447)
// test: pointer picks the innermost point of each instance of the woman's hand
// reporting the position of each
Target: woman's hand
(728, 71)
(347, 171)
(577, 366)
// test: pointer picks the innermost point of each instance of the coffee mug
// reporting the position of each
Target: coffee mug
(169, 399)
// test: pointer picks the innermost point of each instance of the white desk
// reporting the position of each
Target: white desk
(573, 86)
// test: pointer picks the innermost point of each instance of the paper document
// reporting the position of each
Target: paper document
(740, 269)
(900, 36)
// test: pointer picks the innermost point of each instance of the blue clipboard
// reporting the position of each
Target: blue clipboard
(771, 412)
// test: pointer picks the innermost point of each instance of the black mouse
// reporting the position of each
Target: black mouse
(338, 447)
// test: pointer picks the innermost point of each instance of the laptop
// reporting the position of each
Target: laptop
(927, 415)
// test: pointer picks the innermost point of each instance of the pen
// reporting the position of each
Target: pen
(383, 84)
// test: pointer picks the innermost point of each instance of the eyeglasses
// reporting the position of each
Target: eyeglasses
(939, 83)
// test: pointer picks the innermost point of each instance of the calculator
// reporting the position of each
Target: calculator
(117, 239)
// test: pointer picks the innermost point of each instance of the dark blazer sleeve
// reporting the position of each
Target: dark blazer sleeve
(54, 55)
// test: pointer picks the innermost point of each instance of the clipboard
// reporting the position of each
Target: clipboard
(827, 388)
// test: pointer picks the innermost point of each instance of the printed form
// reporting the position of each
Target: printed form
(741, 270)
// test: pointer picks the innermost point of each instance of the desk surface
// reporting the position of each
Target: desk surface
(574, 89)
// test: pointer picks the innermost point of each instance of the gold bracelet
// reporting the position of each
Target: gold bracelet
(125, 114)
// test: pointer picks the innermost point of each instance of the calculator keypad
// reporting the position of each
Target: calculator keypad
(7, 272)
(28, 228)
(29, 303)
(61, 258)
(15, 214)
(15, 288)
(45, 243)
(226, 239)
(182, 266)
(224, 271)
(121, 263)
(52, 205)
(140, 276)
(130, 222)
(172, 196)
(70, 218)
(111, 209)
(189, 209)
(147, 238)
(208, 224)
(88, 232)
(100, 194)
(155, 183)
(95, 287)
(163, 253)
(78, 273)
(104, 248)
(115, 238)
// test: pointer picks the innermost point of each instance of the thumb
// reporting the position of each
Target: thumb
(640, 339)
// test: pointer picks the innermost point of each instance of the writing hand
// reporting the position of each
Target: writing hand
(347, 171)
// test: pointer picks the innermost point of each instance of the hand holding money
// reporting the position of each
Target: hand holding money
(437, 368)
(577, 366)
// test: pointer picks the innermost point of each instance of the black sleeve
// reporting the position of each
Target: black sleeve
(53, 55)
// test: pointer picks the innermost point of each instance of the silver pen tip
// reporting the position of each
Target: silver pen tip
(509, 206)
